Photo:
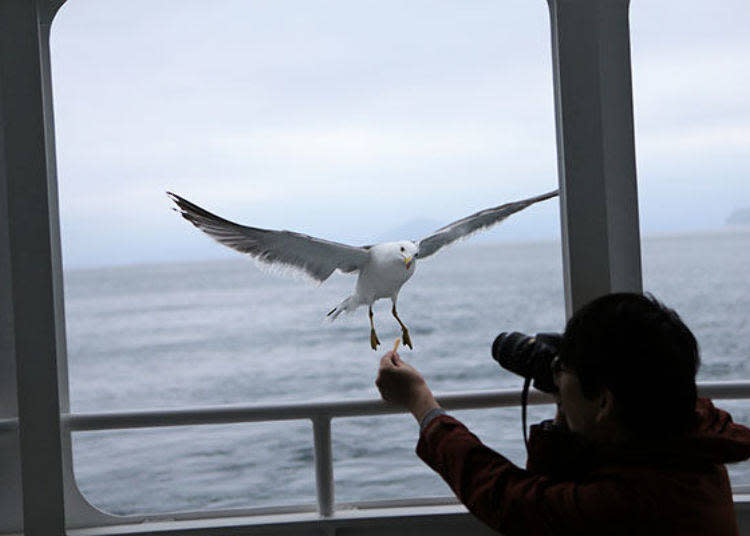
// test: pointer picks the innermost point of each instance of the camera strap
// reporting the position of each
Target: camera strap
(524, 401)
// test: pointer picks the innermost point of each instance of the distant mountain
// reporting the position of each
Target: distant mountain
(741, 216)
(411, 230)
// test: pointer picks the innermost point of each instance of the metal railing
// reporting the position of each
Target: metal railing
(321, 414)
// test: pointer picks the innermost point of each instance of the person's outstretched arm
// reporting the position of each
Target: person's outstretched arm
(499, 493)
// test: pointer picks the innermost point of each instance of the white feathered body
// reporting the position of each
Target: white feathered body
(385, 274)
(382, 276)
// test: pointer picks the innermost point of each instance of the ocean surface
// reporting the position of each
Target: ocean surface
(172, 335)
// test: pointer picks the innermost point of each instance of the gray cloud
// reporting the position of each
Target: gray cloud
(345, 119)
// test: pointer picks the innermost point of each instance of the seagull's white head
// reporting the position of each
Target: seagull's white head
(407, 253)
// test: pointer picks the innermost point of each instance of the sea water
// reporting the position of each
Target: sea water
(224, 332)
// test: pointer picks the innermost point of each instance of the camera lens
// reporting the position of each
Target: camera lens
(510, 351)
(528, 356)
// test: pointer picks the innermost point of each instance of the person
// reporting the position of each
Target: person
(631, 450)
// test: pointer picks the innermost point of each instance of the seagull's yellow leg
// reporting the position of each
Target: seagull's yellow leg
(404, 331)
(374, 341)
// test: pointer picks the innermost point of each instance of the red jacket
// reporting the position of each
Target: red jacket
(571, 487)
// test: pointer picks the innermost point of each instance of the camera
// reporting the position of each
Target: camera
(529, 356)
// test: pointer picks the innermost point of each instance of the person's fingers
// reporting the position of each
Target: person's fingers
(386, 361)
(396, 359)
(379, 383)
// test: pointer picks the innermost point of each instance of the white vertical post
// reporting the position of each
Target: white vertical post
(596, 151)
(323, 464)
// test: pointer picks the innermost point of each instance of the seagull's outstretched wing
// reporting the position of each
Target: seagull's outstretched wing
(313, 256)
(469, 225)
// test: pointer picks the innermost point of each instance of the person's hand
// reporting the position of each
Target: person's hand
(402, 384)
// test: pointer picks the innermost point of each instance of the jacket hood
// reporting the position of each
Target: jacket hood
(715, 439)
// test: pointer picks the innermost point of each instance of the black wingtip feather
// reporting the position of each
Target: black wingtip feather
(193, 213)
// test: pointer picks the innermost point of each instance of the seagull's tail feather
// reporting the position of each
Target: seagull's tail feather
(346, 306)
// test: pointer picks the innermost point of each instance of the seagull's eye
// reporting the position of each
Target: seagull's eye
(402, 249)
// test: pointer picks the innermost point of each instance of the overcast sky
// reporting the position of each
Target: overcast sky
(346, 119)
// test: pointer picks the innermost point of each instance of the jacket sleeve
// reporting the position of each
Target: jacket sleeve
(515, 500)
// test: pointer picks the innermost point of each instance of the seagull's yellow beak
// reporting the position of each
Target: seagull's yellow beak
(408, 261)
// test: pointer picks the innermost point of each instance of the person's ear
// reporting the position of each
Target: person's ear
(606, 406)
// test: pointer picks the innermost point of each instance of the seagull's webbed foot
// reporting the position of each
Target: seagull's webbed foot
(404, 332)
(405, 337)
(374, 341)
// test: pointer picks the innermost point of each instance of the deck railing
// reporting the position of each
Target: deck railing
(320, 413)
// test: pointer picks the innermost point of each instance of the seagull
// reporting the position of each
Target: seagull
(382, 268)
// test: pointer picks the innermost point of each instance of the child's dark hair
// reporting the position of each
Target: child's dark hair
(643, 353)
